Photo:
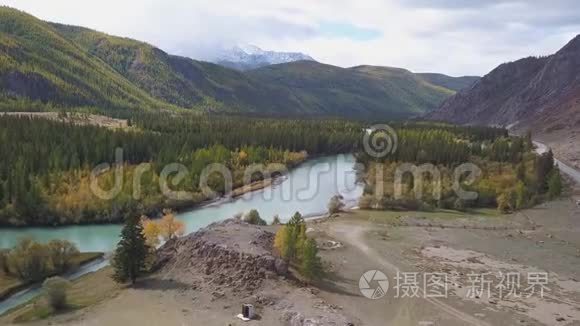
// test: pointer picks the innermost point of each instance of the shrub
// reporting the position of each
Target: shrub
(29, 260)
(253, 217)
(276, 220)
(61, 253)
(459, 205)
(335, 204)
(54, 289)
(504, 203)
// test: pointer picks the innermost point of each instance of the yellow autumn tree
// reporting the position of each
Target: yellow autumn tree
(281, 241)
(291, 238)
(170, 227)
(242, 157)
(150, 231)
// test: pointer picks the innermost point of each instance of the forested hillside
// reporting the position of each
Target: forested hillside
(362, 90)
(511, 176)
(454, 83)
(45, 179)
(37, 63)
(46, 65)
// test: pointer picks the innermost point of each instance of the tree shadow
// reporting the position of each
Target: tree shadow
(159, 284)
(332, 283)
(328, 283)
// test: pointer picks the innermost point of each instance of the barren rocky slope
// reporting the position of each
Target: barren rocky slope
(530, 92)
(537, 94)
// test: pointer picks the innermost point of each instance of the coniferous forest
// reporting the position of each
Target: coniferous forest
(46, 164)
(511, 175)
(45, 170)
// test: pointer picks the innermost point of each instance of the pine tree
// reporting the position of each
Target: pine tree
(131, 253)
(295, 230)
(555, 183)
(544, 166)
(311, 267)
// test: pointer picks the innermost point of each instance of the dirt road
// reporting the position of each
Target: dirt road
(566, 169)
(354, 235)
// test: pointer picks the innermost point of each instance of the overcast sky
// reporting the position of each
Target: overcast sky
(456, 37)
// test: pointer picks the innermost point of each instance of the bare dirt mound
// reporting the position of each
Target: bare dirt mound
(231, 262)
(230, 254)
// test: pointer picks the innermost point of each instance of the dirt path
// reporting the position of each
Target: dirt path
(354, 235)
(566, 169)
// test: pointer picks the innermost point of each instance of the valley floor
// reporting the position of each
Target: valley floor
(538, 240)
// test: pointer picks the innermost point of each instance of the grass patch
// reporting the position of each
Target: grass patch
(86, 291)
(10, 284)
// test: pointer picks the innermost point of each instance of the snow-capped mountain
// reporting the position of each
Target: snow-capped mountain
(246, 57)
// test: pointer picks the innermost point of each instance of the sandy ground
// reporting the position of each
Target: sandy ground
(540, 240)
(158, 301)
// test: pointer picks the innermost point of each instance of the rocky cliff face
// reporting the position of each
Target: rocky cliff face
(529, 93)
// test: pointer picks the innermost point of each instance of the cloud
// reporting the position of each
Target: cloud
(349, 31)
(457, 37)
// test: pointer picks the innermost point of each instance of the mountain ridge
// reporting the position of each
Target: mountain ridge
(70, 66)
(247, 57)
(527, 93)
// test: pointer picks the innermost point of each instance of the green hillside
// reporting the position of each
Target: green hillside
(453, 83)
(370, 91)
(37, 63)
(74, 66)
(177, 80)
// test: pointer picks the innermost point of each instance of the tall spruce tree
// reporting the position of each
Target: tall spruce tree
(555, 183)
(544, 166)
(311, 267)
(131, 253)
